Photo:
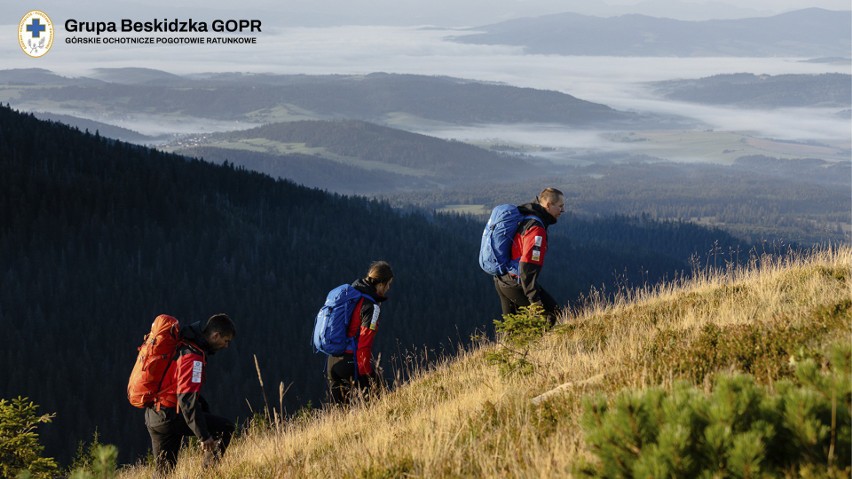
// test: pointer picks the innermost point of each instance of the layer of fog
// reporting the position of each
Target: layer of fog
(619, 82)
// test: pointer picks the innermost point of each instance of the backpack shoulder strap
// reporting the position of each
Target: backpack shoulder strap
(526, 224)
(175, 356)
(192, 347)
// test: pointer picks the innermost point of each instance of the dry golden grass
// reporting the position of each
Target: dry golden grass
(463, 418)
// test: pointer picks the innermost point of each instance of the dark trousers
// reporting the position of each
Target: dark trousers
(168, 428)
(340, 375)
(512, 297)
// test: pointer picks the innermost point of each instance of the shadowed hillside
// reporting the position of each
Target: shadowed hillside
(99, 236)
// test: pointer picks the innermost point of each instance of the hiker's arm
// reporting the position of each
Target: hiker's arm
(369, 324)
(194, 416)
(533, 249)
(190, 377)
(529, 281)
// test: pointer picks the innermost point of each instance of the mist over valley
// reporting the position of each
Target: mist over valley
(541, 115)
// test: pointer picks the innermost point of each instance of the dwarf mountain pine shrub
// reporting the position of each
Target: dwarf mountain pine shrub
(516, 333)
(101, 463)
(20, 451)
(741, 429)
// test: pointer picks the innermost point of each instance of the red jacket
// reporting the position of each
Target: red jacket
(363, 325)
(529, 247)
(182, 384)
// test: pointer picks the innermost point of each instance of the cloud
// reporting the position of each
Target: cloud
(418, 12)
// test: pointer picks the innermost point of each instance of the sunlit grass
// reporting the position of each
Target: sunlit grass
(462, 417)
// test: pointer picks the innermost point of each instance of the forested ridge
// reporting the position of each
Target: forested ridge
(373, 97)
(98, 236)
(809, 32)
(357, 157)
(360, 139)
(763, 91)
(757, 198)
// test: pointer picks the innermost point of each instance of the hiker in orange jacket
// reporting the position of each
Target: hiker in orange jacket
(179, 409)
(529, 247)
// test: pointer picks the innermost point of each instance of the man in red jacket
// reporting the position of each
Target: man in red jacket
(528, 249)
(180, 410)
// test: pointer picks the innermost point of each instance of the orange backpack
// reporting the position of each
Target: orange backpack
(155, 355)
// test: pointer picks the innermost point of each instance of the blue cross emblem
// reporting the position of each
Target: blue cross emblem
(36, 28)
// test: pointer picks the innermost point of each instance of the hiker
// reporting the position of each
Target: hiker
(520, 287)
(354, 367)
(179, 409)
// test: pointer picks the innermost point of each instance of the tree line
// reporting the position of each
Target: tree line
(756, 198)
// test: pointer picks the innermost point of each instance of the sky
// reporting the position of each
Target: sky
(318, 29)
(322, 22)
(445, 13)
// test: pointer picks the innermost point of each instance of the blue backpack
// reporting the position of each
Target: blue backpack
(332, 321)
(495, 250)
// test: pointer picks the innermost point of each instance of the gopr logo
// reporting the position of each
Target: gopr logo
(35, 33)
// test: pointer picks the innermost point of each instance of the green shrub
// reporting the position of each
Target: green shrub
(740, 429)
(516, 333)
(101, 463)
(20, 451)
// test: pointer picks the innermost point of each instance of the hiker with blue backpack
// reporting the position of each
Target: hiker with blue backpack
(513, 247)
(345, 329)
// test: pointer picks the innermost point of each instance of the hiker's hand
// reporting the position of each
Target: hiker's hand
(365, 381)
(208, 445)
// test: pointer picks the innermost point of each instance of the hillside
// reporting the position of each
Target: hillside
(811, 32)
(464, 418)
(350, 156)
(831, 90)
(268, 98)
(99, 236)
(104, 129)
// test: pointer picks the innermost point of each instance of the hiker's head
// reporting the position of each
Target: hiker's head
(380, 276)
(553, 201)
(219, 331)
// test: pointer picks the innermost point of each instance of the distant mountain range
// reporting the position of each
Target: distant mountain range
(763, 91)
(265, 98)
(347, 134)
(352, 156)
(811, 32)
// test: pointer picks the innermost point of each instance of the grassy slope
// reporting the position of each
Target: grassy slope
(464, 418)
